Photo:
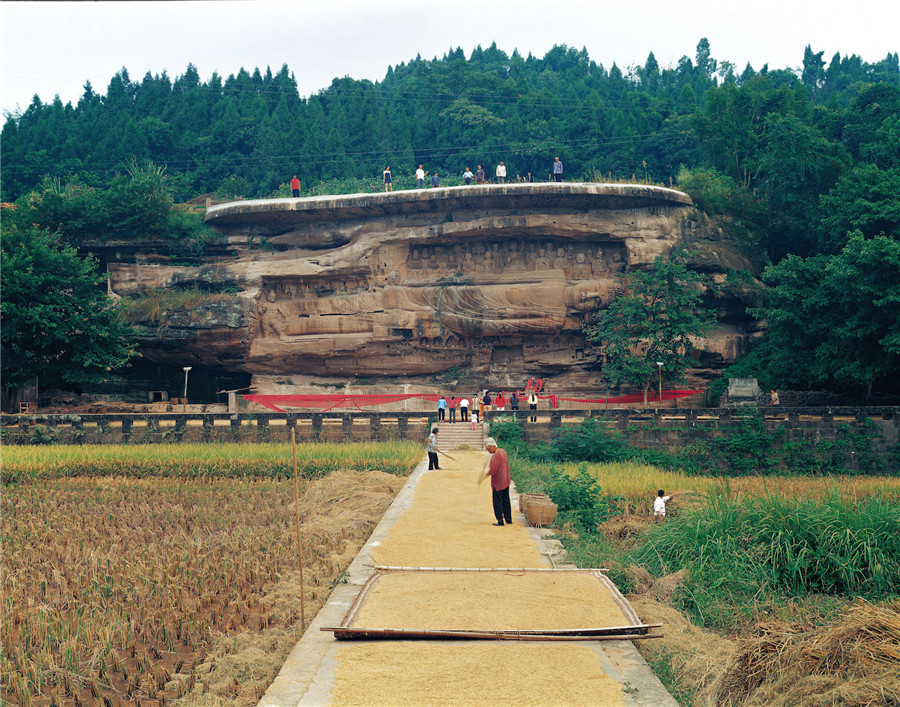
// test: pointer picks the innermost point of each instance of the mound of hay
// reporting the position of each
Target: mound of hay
(854, 660)
(623, 529)
(698, 657)
(661, 590)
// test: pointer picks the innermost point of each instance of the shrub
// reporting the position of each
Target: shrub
(590, 441)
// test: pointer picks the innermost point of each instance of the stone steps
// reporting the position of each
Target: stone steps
(460, 434)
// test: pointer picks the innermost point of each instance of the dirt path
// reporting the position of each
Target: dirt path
(444, 519)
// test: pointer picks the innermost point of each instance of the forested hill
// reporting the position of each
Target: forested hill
(249, 133)
(806, 161)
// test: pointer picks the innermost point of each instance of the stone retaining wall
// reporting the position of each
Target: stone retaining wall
(650, 429)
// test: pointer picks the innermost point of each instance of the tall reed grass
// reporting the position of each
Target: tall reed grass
(739, 551)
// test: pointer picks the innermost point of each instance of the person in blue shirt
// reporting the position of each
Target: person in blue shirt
(557, 170)
(435, 180)
(442, 407)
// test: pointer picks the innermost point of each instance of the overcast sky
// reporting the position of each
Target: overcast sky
(51, 48)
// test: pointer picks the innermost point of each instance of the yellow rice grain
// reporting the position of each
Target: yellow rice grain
(488, 601)
(471, 674)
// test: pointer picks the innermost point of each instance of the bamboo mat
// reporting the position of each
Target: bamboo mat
(487, 601)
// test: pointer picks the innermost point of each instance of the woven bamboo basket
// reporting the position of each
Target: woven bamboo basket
(526, 498)
(540, 513)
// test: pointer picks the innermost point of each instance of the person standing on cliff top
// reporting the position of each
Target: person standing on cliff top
(557, 170)
(498, 470)
(386, 175)
(467, 176)
(420, 178)
(435, 180)
(295, 187)
(501, 173)
(479, 175)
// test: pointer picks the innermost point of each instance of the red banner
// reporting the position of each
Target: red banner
(325, 403)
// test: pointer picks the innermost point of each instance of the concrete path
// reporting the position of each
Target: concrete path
(444, 519)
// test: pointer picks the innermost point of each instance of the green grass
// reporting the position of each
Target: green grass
(742, 553)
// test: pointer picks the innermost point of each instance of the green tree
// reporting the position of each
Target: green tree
(59, 324)
(836, 318)
(656, 320)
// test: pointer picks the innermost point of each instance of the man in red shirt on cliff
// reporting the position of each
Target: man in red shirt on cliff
(499, 473)
(295, 187)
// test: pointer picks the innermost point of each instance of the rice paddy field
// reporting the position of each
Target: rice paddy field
(145, 575)
(635, 486)
(203, 460)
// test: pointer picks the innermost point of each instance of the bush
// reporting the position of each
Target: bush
(590, 441)
(580, 499)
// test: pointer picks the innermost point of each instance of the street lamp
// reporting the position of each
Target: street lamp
(660, 364)
(184, 398)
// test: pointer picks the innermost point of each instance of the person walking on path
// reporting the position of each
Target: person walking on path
(420, 178)
(773, 398)
(386, 175)
(501, 173)
(532, 404)
(435, 180)
(442, 407)
(498, 470)
(557, 169)
(479, 175)
(464, 410)
(659, 505)
(432, 449)
(452, 406)
(295, 187)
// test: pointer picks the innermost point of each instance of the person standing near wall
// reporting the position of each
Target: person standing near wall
(464, 410)
(501, 173)
(532, 404)
(452, 407)
(295, 187)
(479, 175)
(386, 176)
(420, 178)
(442, 407)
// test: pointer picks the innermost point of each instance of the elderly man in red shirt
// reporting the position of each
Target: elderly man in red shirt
(500, 481)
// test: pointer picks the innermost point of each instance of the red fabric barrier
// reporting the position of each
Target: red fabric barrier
(325, 403)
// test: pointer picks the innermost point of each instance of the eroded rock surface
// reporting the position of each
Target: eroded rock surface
(493, 282)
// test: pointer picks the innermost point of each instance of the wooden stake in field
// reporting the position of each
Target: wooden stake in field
(297, 508)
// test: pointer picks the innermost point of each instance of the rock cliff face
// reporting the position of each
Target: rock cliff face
(492, 283)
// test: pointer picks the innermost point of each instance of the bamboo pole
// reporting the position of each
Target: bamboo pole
(297, 509)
